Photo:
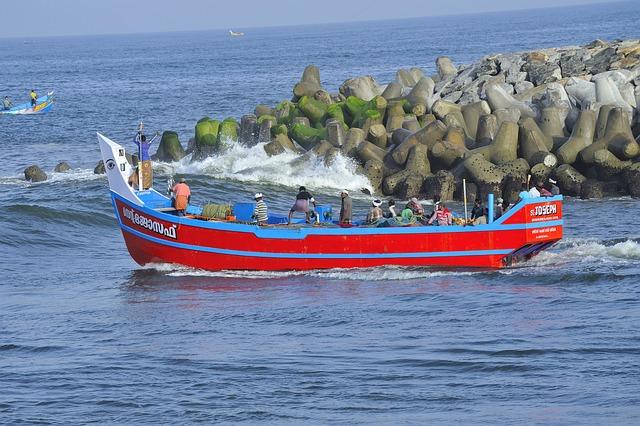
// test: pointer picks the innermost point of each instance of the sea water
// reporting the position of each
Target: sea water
(86, 335)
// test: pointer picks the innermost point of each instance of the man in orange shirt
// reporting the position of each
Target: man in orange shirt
(181, 196)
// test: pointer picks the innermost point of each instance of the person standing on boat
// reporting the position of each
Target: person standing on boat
(302, 204)
(260, 211)
(6, 103)
(181, 196)
(145, 171)
(346, 208)
(34, 98)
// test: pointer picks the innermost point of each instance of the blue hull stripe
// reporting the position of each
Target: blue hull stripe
(313, 255)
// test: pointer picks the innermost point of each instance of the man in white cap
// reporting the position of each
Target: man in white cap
(346, 208)
(260, 211)
(375, 214)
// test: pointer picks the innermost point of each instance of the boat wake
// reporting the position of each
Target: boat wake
(252, 164)
(391, 273)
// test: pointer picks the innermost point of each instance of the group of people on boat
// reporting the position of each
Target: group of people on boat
(412, 213)
(7, 104)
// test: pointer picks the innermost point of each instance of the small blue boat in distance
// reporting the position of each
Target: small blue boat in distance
(43, 104)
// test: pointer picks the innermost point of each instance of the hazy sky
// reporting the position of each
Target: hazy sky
(66, 17)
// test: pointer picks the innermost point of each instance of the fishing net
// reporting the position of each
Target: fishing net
(216, 211)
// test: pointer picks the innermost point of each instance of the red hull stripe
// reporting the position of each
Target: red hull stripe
(260, 254)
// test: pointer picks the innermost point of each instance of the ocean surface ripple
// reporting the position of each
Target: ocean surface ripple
(87, 336)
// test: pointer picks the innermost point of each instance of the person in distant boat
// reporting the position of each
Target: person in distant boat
(375, 214)
(302, 204)
(478, 213)
(442, 216)
(260, 211)
(346, 208)
(6, 103)
(181, 196)
(34, 98)
(416, 207)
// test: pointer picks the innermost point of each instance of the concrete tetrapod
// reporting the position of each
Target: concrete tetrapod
(335, 133)
(368, 151)
(471, 114)
(487, 130)
(309, 83)
(485, 174)
(608, 165)
(421, 93)
(440, 185)
(498, 98)
(248, 130)
(569, 179)
(505, 145)
(391, 183)
(392, 91)
(378, 135)
(373, 169)
(617, 138)
(395, 115)
(427, 136)
(442, 109)
(552, 127)
(507, 114)
(418, 161)
(581, 137)
(533, 147)
(632, 178)
(353, 139)
(170, 149)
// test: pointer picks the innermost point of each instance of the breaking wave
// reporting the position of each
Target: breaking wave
(288, 169)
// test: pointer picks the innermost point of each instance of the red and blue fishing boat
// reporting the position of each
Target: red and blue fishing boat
(153, 233)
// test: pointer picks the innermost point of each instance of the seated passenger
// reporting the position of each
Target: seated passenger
(260, 211)
(375, 214)
(478, 213)
(392, 209)
(498, 209)
(544, 192)
(415, 207)
(524, 192)
(534, 192)
(442, 216)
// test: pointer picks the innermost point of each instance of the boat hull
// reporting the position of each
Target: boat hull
(43, 104)
(157, 237)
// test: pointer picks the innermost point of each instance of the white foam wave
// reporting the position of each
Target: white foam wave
(391, 273)
(591, 252)
(288, 169)
(73, 175)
